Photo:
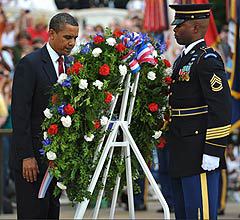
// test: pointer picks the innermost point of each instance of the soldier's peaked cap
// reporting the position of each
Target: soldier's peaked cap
(186, 12)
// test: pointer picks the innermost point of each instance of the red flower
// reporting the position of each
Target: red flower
(76, 67)
(120, 47)
(54, 99)
(162, 143)
(156, 60)
(104, 70)
(168, 80)
(98, 39)
(153, 107)
(108, 97)
(53, 129)
(69, 70)
(97, 124)
(117, 33)
(167, 63)
(68, 109)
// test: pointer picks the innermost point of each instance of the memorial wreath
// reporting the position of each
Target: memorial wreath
(79, 109)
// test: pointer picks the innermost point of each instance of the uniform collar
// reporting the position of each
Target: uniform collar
(191, 46)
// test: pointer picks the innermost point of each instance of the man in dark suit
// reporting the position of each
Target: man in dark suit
(200, 117)
(35, 75)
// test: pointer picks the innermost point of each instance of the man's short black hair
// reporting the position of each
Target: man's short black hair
(59, 20)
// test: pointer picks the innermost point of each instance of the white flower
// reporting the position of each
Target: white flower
(45, 136)
(83, 84)
(157, 134)
(98, 84)
(96, 52)
(47, 113)
(62, 77)
(123, 70)
(154, 53)
(66, 121)
(51, 155)
(151, 75)
(104, 120)
(61, 186)
(89, 138)
(111, 41)
(169, 71)
(162, 57)
(163, 108)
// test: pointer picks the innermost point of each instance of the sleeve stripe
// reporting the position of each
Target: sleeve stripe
(218, 128)
(217, 136)
(217, 145)
(220, 131)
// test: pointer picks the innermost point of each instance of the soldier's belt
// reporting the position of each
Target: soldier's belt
(189, 111)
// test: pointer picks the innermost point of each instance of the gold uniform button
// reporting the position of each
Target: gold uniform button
(196, 132)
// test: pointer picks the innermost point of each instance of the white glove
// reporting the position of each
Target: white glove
(210, 162)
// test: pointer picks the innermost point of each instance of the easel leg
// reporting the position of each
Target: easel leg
(146, 170)
(104, 179)
(81, 208)
(115, 192)
(129, 182)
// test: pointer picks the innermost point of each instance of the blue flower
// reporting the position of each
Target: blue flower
(41, 151)
(67, 82)
(61, 109)
(46, 142)
(69, 61)
(161, 47)
(85, 49)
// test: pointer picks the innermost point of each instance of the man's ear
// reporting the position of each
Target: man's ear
(51, 34)
(196, 28)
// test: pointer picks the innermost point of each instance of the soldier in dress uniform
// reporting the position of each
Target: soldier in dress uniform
(200, 117)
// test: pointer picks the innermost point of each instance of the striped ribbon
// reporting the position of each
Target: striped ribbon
(142, 52)
(45, 184)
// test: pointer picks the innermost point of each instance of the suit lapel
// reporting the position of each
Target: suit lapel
(48, 66)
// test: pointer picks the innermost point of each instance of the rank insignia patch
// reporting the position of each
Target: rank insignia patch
(216, 83)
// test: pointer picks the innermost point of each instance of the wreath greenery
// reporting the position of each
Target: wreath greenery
(79, 107)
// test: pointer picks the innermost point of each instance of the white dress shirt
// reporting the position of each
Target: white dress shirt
(54, 57)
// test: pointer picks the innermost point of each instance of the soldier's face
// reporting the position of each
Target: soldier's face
(184, 33)
(64, 40)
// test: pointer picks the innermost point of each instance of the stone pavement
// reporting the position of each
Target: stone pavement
(67, 212)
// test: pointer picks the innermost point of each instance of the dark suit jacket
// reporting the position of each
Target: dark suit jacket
(33, 78)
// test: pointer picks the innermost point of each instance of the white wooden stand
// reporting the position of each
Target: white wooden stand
(126, 144)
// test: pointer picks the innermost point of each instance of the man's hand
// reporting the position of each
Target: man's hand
(210, 162)
(30, 169)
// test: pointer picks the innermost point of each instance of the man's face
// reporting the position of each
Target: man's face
(184, 33)
(64, 40)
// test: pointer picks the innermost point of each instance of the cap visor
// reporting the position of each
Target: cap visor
(177, 21)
